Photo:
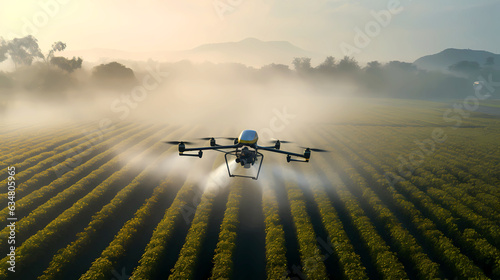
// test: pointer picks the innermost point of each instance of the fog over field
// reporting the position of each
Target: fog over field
(376, 154)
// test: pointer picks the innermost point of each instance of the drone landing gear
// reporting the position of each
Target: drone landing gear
(259, 157)
(289, 159)
(199, 154)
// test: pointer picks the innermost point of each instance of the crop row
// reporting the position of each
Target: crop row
(102, 266)
(456, 200)
(311, 257)
(72, 251)
(28, 202)
(35, 145)
(184, 267)
(68, 153)
(452, 257)
(37, 243)
(25, 139)
(443, 178)
(155, 249)
(275, 236)
(223, 258)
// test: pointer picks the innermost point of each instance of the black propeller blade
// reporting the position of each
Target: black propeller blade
(178, 142)
(281, 141)
(208, 138)
(316, 150)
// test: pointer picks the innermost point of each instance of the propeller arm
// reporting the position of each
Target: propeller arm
(281, 152)
(211, 148)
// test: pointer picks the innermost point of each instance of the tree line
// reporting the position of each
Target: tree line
(391, 79)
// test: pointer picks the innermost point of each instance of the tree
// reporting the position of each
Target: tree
(302, 64)
(373, 67)
(112, 70)
(465, 67)
(348, 65)
(56, 47)
(22, 50)
(113, 75)
(3, 49)
(398, 66)
(374, 77)
(276, 67)
(327, 66)
(272, 69)
(69, 65)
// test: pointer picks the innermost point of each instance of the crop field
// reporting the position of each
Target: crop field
(407, 191)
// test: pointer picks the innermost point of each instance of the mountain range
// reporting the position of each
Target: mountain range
(442, 60)
(250, 51)
(256, 53)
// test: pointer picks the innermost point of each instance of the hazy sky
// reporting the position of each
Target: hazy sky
(415, 28)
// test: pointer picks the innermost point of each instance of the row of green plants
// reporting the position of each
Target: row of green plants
(460, 263)
(94, 166)
(350, 262)
(22, 138)
(405, 244)
(385, 261)
(276, 265)
(439, 218)
(35, 245)
(149, 263)
(343, 249)
(437, 175)
(22, 149)
(102, 267)
(223, 258)
(449, 192)
(32, 143)
(71, 252)
(188, 256)
(63, 155)
(310, 255)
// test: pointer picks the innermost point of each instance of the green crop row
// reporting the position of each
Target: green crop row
(50, 140)
(223, 258)
(184, 267)
(72, 251)
(28, 202)
(452, 257)
(276, 266)
(68, 153)
(148, 264)
(31, 249)
(311, 257)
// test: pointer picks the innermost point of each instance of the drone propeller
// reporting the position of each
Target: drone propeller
(281, 141)
(208, 138)
(316, 150)
(178, 142)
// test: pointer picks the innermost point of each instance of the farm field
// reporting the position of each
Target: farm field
(404, 193)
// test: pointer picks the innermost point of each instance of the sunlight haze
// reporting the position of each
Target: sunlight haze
(421, 27)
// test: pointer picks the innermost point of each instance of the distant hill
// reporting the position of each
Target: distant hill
(441, 61)
(250, 51)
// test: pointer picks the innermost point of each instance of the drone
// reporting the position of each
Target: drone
(245, 149)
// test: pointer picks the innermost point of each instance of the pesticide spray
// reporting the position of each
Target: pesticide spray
(218, 178)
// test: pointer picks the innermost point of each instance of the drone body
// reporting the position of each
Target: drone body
(245, 149)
